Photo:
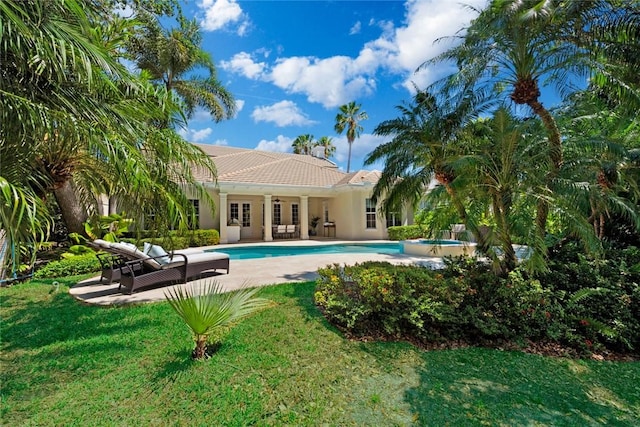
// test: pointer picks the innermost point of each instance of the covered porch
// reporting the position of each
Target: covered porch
(245, 217)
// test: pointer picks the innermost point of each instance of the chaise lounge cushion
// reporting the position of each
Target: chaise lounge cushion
(159, 254)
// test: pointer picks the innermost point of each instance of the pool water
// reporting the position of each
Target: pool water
(252, 252)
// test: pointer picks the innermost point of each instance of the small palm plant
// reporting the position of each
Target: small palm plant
(206, 311)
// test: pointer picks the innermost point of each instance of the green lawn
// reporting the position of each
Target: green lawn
(64, 363)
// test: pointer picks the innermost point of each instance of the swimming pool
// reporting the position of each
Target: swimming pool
(252, 252)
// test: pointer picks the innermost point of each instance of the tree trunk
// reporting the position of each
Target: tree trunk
(502, 209)
(113, 205)
(73, 212)
(201, 348)
(481, 238)
(349, 158)
(555, 155)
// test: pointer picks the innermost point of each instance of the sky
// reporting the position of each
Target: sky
(290, 65)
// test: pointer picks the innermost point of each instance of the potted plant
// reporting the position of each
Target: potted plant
(314, 223)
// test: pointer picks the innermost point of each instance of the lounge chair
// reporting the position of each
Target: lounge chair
(291, 231)
(139, 269)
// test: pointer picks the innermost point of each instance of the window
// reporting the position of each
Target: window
(370, 213)
(277, 214)
(194, 223)
(234, 212)
(393, 219)
(295, 214)
(246, 215)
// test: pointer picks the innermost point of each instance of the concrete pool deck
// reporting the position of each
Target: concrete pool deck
(248, 272)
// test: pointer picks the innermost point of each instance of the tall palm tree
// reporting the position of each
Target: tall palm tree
(172, 56)
(327, 144)
(303, 144)
(72, 119)
(514, 47)
(49, 64)
(423, 147)
(349, 118)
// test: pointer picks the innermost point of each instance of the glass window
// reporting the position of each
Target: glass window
(393, 219)
(277, 214)
(246, 215)
(234, 212)
(295, 214)
(370, 213)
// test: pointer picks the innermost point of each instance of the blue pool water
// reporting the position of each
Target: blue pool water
(251, 252)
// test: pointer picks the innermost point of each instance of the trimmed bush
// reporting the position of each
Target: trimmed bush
(181, 240)
(405, 232)
(204, 238)
(588, 304)
(71, 266)
(378, 297)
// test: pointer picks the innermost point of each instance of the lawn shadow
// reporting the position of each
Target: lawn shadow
(179, 363)
(487, 386)
(60, 318)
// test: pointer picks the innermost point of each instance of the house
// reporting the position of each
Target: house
(261, 189)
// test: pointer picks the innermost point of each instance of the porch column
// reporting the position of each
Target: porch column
(223, 218)
(304, 217)
(267, 218)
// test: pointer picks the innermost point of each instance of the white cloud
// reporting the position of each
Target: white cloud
(193, 135)
(283, 113)
(282, 144)
(400, 50)
(330, 82)
(219, 14)
(355, 29)
(360, 148)
(239, 105)
(242, 63)
(416, 42)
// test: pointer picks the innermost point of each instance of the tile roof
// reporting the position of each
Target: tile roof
(240, 165)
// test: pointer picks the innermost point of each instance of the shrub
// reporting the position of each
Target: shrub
(601, 295)
(71, 266)
(170, 243)
(377, 297)
(589, 304)
(204, 238)
(405, 232)
(181, 240)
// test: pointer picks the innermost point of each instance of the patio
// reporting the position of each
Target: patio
(250, 272)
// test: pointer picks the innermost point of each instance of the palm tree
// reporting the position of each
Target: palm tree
(303, 144)
(207, 310)
(172, 56)
(514, 46)
(503, 52)
(349, 118)
(422, 148)
(53, 83)
(73, 119)
(327, 144)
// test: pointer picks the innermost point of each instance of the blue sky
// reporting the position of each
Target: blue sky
(291, 64)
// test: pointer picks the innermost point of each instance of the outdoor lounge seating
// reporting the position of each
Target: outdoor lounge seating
(284, 231)
(138, 269)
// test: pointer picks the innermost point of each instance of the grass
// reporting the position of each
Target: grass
(64, 363)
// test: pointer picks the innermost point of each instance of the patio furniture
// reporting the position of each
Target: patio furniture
(291, 231)
(280, 231)
(328, 226)
(138, 269)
